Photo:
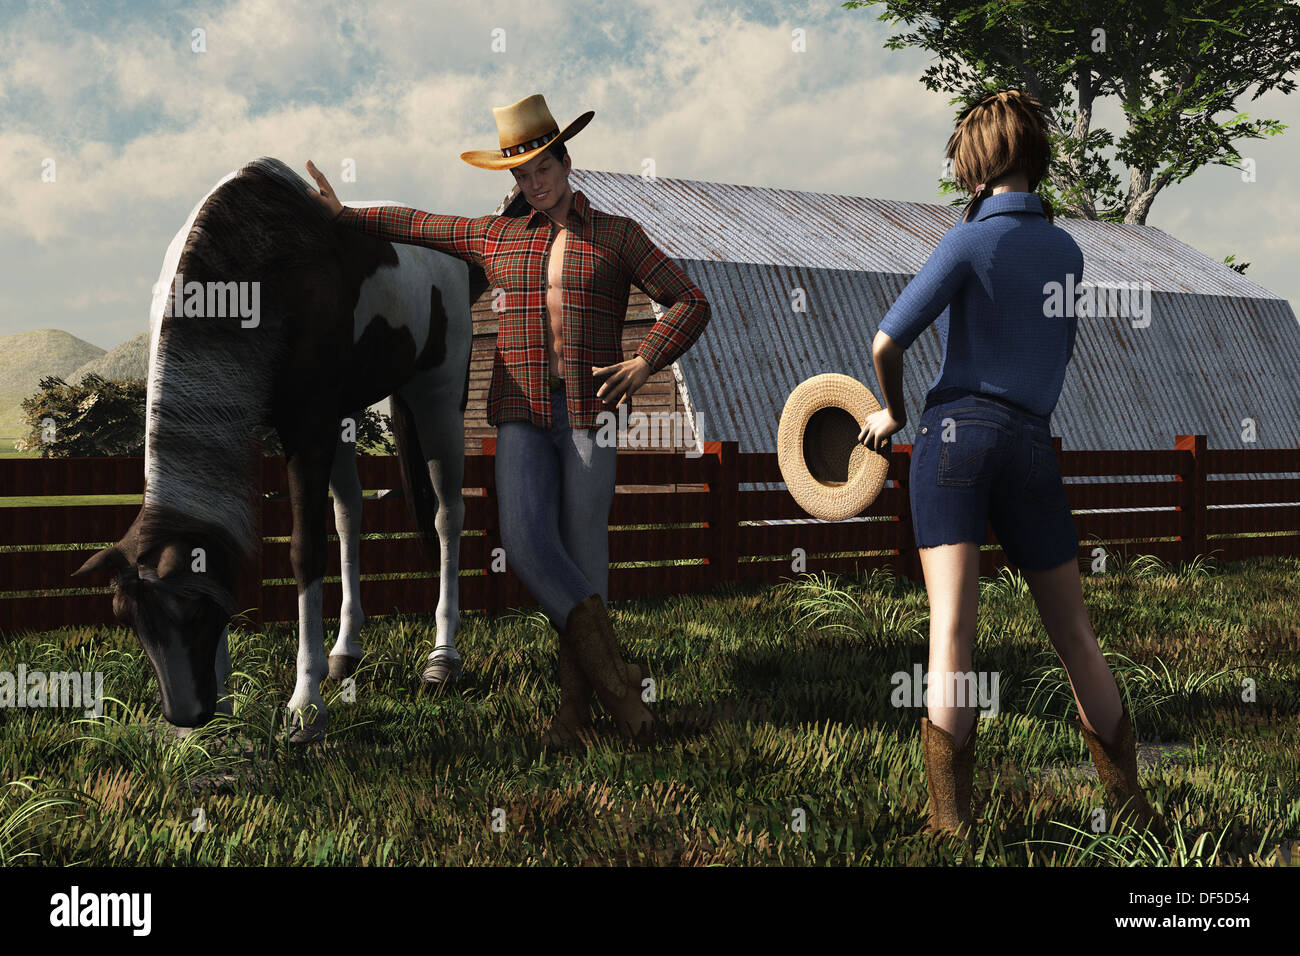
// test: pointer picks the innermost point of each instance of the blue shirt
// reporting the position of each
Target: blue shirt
(989, 284)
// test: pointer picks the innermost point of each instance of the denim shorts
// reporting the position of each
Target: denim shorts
(997, 468)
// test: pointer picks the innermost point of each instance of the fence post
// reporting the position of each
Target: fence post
(724, 512)
(1194, 493)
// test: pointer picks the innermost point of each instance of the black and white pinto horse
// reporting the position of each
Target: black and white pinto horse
(338, 320)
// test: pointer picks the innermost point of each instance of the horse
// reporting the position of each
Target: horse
(267, 315)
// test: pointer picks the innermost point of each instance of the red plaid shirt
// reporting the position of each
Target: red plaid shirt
(603, 254)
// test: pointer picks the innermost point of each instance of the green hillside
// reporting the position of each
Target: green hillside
(26, 357)
(128, 360)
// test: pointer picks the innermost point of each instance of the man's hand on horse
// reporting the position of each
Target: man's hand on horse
(326, 195)
(624, 379)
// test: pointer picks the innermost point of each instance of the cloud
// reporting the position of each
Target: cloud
(140, 126)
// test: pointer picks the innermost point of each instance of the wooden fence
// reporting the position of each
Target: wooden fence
(718, 532)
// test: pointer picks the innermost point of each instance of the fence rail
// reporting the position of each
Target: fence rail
(717, 531)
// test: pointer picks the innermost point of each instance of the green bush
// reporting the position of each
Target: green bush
(103, 417)
(93, 418)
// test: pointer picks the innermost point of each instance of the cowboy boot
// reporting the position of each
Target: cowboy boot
(573, 718)
(617, 684)
(1117, 767)
(950, 774)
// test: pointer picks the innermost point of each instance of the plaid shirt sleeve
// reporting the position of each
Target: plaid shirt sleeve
(460, 236)
(664, 281)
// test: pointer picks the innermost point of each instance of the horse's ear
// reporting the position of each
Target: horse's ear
(173, 559)
(110, 559)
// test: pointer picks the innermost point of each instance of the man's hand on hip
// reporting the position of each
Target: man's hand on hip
(624, 379)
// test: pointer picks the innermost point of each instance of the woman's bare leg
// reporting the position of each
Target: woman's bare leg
(1059, 596)
(952, 583)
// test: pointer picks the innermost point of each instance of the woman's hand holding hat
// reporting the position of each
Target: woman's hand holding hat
(824, 465)
(879, 426)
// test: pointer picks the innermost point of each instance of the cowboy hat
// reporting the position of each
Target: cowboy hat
(524, 129)
(829, 473)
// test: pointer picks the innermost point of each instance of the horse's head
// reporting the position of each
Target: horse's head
(178, 614)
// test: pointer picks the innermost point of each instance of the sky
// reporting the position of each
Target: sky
(139, 124)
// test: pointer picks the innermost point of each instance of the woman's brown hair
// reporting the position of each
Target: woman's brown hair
(1001, 132)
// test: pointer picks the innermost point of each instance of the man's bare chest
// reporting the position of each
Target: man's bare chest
(555, 262)
(580, 269)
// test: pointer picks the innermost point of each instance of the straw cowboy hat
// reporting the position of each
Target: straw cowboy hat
(829, 473)
(524, 129)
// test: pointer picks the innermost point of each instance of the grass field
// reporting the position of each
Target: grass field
(774, 707)
(7, 449)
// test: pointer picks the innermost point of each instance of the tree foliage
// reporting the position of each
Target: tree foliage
(93, 418)
(102, 417)
(1175, 67)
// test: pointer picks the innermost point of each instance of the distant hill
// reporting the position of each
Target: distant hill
(128, 360)
(26, 358)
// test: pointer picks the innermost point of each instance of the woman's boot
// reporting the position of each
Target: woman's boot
(617, 684)
(573, 719)
(1117, 767)
(950, 774)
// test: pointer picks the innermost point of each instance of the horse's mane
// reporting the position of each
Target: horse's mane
(215, 378)
(260, 222)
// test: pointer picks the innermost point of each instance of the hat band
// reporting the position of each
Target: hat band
(531, 144)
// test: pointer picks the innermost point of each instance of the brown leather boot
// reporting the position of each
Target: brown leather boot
(1117, 767)
(617, 684)
(573, 720)
(950, 774)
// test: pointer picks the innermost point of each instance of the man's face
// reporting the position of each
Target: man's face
(543, 181)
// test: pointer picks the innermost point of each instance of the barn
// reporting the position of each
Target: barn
(799, 282)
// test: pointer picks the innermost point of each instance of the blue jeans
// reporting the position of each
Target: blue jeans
(996, 466)
(554, 491)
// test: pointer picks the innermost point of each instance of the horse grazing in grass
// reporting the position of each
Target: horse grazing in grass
(268, 315)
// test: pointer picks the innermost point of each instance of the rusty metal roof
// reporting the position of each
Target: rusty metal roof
(724, 222)
(1219, 347)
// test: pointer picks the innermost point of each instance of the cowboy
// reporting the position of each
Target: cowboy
(559, 278)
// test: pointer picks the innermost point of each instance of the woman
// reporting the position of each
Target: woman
(983, 449)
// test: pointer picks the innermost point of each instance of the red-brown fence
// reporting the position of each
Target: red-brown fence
(719, 533)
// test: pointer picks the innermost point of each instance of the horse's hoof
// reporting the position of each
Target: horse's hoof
(443, 669)
(308, 731)
(342, 666)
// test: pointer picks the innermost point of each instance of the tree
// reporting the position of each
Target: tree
(93, 418)
(1173, 65)
(101, 417)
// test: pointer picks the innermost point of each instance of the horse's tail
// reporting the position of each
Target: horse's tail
(416, 484)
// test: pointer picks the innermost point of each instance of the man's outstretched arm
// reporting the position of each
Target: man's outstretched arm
(460, 236)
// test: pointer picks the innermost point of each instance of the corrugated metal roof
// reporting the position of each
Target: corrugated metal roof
(1219, 347)
(723, 222)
